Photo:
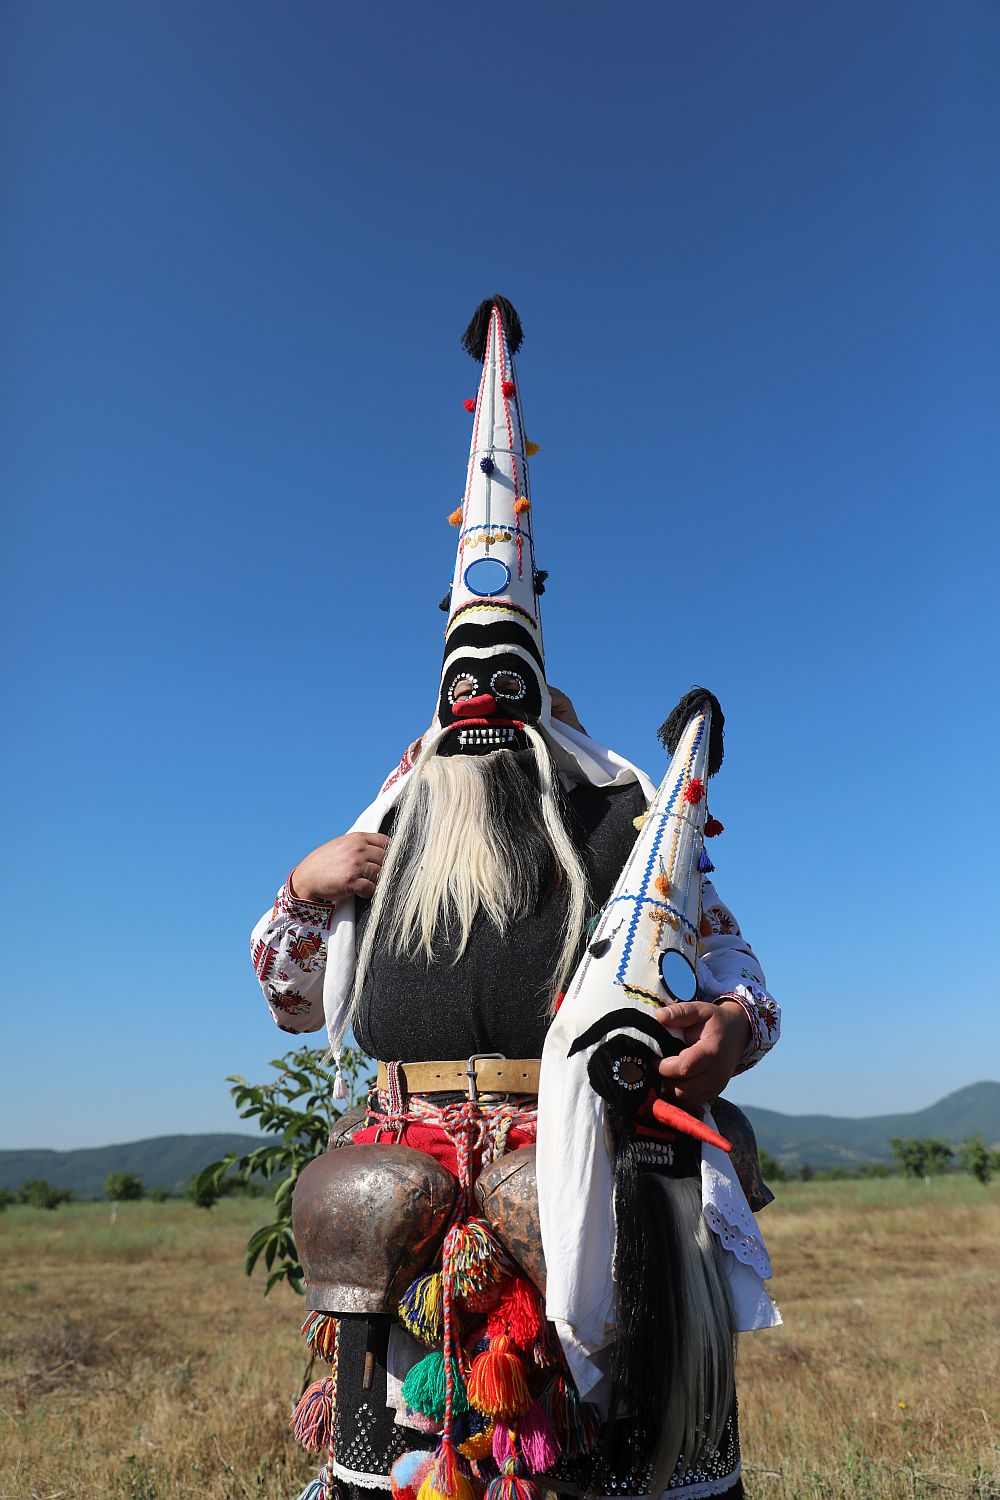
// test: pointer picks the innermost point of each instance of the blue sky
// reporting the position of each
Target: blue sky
(754, 249)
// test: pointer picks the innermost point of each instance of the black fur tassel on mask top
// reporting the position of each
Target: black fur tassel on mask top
(674, 724)
(474, 337)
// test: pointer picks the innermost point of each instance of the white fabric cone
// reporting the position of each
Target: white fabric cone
(494, 576)
(574, 1166)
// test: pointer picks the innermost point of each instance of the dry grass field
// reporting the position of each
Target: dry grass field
(138, 1363)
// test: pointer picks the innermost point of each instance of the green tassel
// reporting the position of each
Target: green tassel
(424, 1387)
(420, 1308)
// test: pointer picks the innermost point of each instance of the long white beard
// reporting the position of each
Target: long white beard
(472, 834)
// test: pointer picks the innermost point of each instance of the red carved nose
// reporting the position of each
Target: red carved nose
(679, 1119)
(484, 706)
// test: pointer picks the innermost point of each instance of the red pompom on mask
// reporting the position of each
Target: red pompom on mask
(469, 403)
(695, 791)
(713, 827)
(508, 388)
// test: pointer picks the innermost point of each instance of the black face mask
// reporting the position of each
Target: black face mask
(492, 694)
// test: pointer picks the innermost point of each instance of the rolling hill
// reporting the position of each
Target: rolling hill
(833, 1141)
(822, 1140)
(162, 1161)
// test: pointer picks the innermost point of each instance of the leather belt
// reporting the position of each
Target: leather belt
(483, 1073)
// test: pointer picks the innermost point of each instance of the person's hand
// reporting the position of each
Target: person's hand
(349, 865)
(715, 1038)
(563, 710)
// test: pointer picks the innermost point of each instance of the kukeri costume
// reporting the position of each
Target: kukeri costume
(478, 1336)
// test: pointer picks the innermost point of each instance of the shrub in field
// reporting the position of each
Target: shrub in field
(123, 1187)
(159, 1194)
(37, 1192)
(926, 1157)
(771, 1168)
(6, 1198)
(976, 1157)
(299, 1109)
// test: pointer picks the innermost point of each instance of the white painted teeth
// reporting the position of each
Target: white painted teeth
(483, 736)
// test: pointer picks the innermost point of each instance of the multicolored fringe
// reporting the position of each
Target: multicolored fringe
(504, 1404)
(314, 1419)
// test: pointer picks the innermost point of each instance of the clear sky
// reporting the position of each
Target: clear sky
(755, 251)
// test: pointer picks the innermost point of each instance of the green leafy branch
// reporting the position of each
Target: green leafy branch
(298, 1108)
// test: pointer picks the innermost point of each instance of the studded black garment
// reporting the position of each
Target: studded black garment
(366, 1441)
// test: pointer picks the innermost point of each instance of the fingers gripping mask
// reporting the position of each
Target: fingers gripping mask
(486, 698)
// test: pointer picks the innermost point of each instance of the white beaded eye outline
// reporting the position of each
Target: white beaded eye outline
(511, 697)
(616, 1072)
(463, 677)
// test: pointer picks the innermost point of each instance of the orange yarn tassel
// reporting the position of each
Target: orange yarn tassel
(530, 448)
(496, 1384)
(521, 504)
(455, 519)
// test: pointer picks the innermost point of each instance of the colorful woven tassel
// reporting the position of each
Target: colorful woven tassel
(312, 1419)
(409, 1472)
(530, 448)
(521, 505)
(469, 403)
(420, 1308)
(455, 519)
(575, 1421)
(534, 1439)
(320, 1333)
(446, 1480)
(473, 1434)
(547, 1352)
(497, 1386)
(510, 1484)
(518, 1313)
(537, 1436)
(694, 791)
(713, 827)
(705, 865)
(477, 1259)
(487, 465)
(316, 1490)
(508, 388)
(420, 1422)
(425, 1388)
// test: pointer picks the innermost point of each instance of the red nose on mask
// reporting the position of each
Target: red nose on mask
(484, 706)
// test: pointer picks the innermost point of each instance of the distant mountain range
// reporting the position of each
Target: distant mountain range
(829, 1141)
(823, 1140)
(168, 1161)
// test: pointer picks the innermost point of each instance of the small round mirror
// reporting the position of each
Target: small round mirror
(487, 576)
(679, 978)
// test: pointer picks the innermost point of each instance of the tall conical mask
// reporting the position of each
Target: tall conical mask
(493, 676)
(644, 950)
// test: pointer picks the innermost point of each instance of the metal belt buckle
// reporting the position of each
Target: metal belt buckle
(470, 1072)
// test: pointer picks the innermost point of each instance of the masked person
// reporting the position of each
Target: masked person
(444, 928)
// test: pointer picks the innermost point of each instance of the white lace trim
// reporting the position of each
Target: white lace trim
(366, 1481)
(727, 1211)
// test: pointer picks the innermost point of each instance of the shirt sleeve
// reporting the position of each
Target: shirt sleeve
(734, 973)
(288, 949)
